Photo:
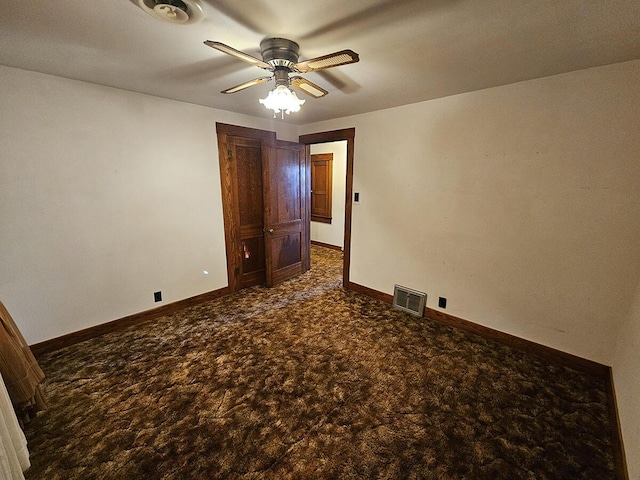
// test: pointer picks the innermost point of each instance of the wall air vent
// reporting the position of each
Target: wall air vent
(409, 300)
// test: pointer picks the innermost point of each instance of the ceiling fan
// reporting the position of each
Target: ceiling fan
(280, 57)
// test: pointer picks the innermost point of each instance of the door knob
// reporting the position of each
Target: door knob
(270, 230)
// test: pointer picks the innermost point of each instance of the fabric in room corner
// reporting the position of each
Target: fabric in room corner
(20, 369)
(14, 455)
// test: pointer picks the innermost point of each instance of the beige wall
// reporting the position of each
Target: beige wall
(519, 204)
(106, 196)
(333, 233)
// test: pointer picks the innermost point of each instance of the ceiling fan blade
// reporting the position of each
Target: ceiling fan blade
(308, 87)
(336, 59)
(238, 54)
(248, 84)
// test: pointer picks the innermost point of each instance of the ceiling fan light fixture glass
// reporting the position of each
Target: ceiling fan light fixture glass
(282, 100)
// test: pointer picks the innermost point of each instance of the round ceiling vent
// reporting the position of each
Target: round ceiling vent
(180, 12)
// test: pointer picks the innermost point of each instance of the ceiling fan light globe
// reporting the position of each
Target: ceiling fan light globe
(282, 99)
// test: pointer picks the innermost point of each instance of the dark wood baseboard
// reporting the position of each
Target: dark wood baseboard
(550, 354)
(137, 318)
(555, 356)
(370, 292)
(316, 218)
(326, 245)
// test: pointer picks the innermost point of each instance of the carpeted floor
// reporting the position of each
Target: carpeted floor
(306, 380)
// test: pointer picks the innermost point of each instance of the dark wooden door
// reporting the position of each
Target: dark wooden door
(244, 166)
(321, 187)
(286, 182)
(248, 155)
(244, 155)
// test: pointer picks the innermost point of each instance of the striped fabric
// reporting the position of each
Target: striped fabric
(20, 370)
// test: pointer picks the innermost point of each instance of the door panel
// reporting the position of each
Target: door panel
(249, 175)
(248, 159)
(286, 218)
(253, 267)
(321, 187)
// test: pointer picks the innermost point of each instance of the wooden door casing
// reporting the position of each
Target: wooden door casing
(347, 134)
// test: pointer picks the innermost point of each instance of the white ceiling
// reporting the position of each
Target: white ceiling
(410, 50)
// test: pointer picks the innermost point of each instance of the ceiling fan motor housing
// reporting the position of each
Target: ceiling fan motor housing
(280, 52)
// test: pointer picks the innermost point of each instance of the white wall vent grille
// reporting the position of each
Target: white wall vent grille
(409, 300)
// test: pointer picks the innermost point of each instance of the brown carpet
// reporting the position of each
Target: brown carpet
(306, 380)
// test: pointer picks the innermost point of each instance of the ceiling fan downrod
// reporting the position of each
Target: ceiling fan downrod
(281, 76)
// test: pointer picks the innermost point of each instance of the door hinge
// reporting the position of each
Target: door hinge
(229, 154)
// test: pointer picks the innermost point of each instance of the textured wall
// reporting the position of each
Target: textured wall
(518, 203)
(106, 196)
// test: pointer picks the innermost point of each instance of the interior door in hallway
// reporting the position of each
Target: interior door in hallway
(257, 254)
(245, 167)
(286, 181)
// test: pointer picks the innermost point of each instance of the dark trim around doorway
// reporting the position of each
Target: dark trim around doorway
(347, 134)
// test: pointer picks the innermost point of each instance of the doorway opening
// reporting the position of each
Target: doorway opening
(328, 180)
(347, 135)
